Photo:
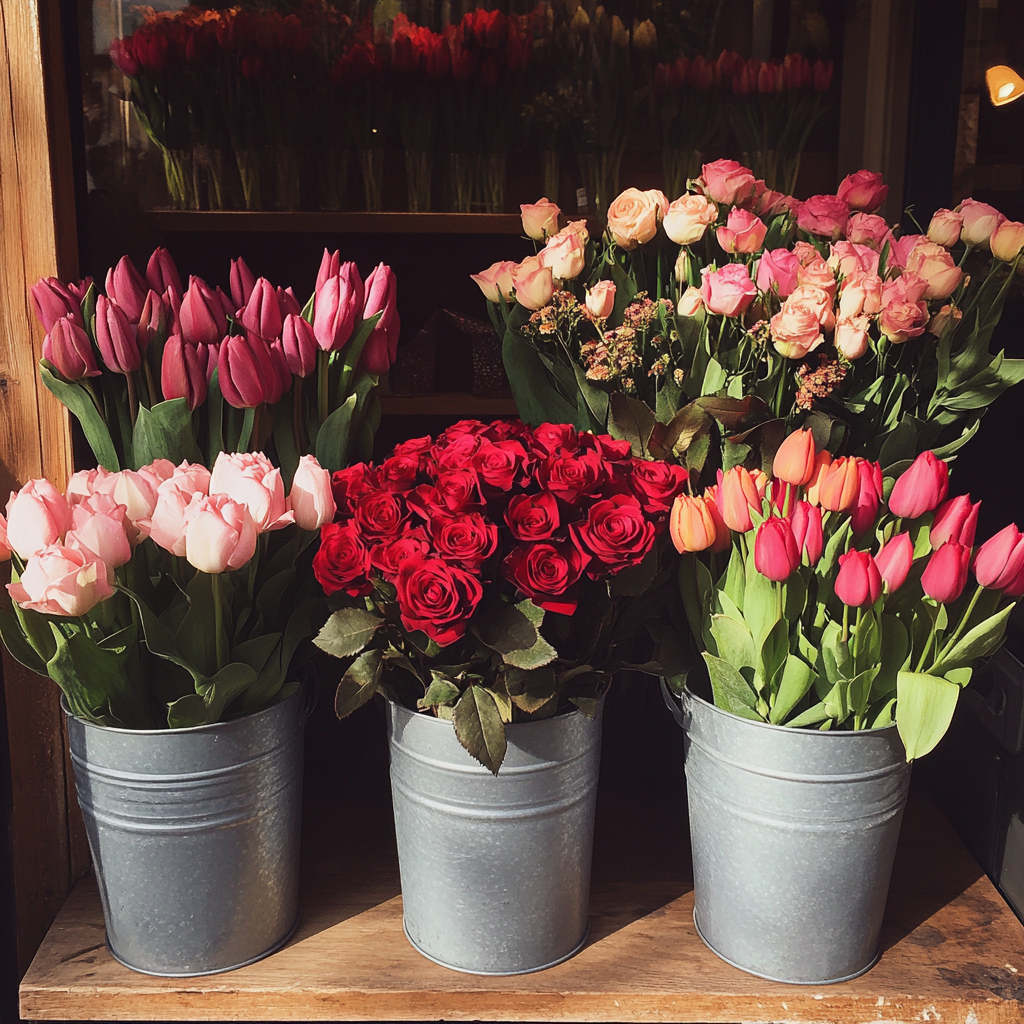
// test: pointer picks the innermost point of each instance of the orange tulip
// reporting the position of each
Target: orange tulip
(738, 494)
(723, 538)
(840, 485)
(795, 459)
(691, 524)
(822, 463)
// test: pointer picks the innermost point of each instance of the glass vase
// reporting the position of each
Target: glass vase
(371, 167)
(461, 168)
(549, 173)
(333, 175)
(178, 172)
(418, 168)
(491, 182)
(600, 170)
(679, 166)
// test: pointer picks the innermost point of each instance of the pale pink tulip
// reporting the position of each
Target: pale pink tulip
(61, 581)
(219, 533)
(249, 478)
(311, 499)
(37, 516)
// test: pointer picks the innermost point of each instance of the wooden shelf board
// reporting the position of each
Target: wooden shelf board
(338, 222)
(952, 950)
(446, 404)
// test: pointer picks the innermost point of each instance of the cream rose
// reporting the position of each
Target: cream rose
(688, 218)
(633, 217)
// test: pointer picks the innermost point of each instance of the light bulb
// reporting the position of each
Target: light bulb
(1004, 85)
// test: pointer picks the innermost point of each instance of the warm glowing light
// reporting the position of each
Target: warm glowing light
(1004, 85)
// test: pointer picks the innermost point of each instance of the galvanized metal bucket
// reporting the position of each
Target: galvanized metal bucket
(194, 835)
(495, 869)
(794, 833)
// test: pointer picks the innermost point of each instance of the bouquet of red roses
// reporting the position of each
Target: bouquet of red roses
(498, 574)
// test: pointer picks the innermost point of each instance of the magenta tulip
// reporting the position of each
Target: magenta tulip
(262, 313)
(245, 369)
(945, 575)
(183, 371)
(241, 282)
(68, 348)
(201, 319)
(806, 521)
(330, 266)
(299, 345)
(153, 322)
(281, 380)
(289, 303)
(1000, 560)
(338, 304)
(161, 272)
(859, 582)
(115, 337)
(956, 519)
(128, 288)
(776, 554)
(921, 488)
(895, 559)
(51, 300)
(381, 297)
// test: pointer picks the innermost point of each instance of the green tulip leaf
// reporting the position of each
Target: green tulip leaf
(976, 643)
(347, 632)
(733, 642)
(924, 708)
(164, 432)
(774, 653)
(77, 399)
(214, 696)
(332, 441)
(812, 716)
(17, 642)
(731, 690)
(479, 727)
(797, 679)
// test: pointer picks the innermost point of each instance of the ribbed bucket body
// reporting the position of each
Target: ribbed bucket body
(495, 869)
(794, 833)
(194, 836)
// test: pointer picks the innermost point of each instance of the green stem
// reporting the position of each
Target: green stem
(248, 419)
(133, 397)
(979, 590)
(218, 623)
(323, 366)
(846, 623)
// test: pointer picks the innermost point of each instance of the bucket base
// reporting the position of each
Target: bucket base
(498, 974)
(202, 974)
(784, 981)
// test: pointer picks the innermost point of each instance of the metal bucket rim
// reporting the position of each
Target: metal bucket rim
(419, 715)
(788, 730)
(188, 730)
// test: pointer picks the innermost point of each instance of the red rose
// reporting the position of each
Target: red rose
(349, 485)
(386, 558)
(458, 490)
(466, 540)
(533, 517)
(567, 475)
(415, 446)
(399, 473)
(550, 438)
(547, 573)
(656, 484)
(610, 449)
(437, 598)
(380, 515)
(342, 561)
(457, 453)
(507, 430)
(616, 533)
(459, 429)
(499, 464)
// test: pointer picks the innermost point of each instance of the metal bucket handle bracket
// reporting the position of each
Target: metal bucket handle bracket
(679, 713)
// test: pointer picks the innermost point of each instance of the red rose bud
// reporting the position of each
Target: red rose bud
(869, 496)
(338, 303)
(115, 337)
(153, 321)
(921, 488)
(128, 288)
(775, 552)
(955, 519)
(1000, 560)
(68, 348)
(945, 575)
(795, 460)
(616, 534)
(533, 517)
(895, 559)
(262, 313)
(466, 540)
(330, 265)
(183, 372)
(245, 369)
(737, 495)
(342, 561)
(859, 582)
(51, 300)
(161, 273)
(547, 572)
(201, 319)
(656, 484)
(436, 598)
(281, 380)
(806, 521)
(241, 283)
(381, 297)
(299, 345)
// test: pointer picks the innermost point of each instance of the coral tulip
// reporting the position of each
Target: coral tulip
(838, 487)
(858, 582)
(737, 495)
(776, 554)
(945, 575)
(920, 488)
(807, 530)
(955, 519)
(795, 459)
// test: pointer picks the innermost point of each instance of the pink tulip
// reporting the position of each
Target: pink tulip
(51, 300)
(61, 581)
(202, 319)
(955, 519)
(99, 530)
(311, 498)
(299, 345)
(161, 272)
(262, 313)
(1000, 560)
(894, 560)
(183, 372)
(135, 491)
(166, 526)
(859, 581)
(807, 530)
(869, 495)
(381, 296)
(38, 515)
(281, 380)
(219, 533)
(87, 482)
(338, 305)
(68, 348)
(241, 282)
(945, 575)
(128, 288)
(249, 478)
(153, 321)
(776, 554)
(920, 488)
(289, 303)
(115, 338)
(245, 369)
(330, 266)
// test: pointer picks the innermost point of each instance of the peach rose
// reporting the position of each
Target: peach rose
(868, 229)
(902, 320)
(944, 227)
(534, 284)
(817, 300)
(690, 302)
(862, 293)
(601, 299)
(742, 232)
(564, 255)
(633, 217)
(728, 291)
(688, 218)
(496, 280)
(1007, 240)
(796, 330)
(979, 221)
(851, 337)
(806, 253)
(848, 258)
(819, 274)
(727, 181)
(906, 288)
(933, 263)
(540, 220)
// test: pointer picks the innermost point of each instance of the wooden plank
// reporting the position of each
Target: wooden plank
(340, 223)
(37, 239)
(446, 404)
(953, 951)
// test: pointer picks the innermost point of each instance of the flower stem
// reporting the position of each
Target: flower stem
(979, 590)
(323, 383)
(218, 623)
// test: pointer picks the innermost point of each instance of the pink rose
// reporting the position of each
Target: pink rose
(5, 548)
(727, 182)
(601, 299)
(688, 218)
(540, 220)
(796, 330)
(61, 581)
(851, 337)
(819, 274)
(979, 221)
(806, 253)
(817, 300)
(37, 516)
(777, 272)
(824, 216)
(742, 232)
(99, 530)
(219, 533)
(906, 288)
(634, 215)
(900, 250)
(862, 293)
(534, 284)
(770, 203)
(250, 479)
(565, 256)
(944, 227)
(933, 263)
(728, 291)
(1007, 240)
(690, 303)
(902, 320)
(311, 499)
(848, 258)
(863, 190)
(868, 229)
(496, 281)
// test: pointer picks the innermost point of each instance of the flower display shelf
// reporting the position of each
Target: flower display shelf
(953, 952)
(339, 222)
